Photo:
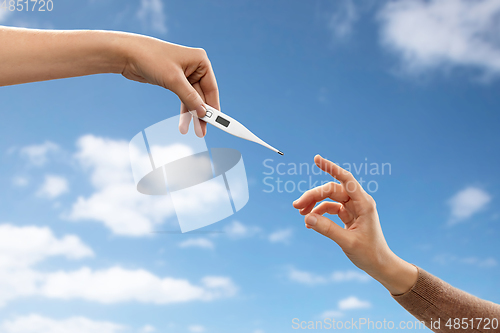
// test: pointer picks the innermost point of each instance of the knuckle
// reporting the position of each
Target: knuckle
(347, 174)
(176, 78)
(370, 202)
(328, 230)
(327, 188)
(192, 95)
(201, 53)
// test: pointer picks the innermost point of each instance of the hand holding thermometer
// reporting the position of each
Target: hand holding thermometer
(232, 126)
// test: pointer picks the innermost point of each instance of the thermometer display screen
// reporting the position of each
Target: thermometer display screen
(222, 121)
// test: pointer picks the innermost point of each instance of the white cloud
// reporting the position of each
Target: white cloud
(25, 246)
(466, 203)
(306, 277)
(349, 303)
(336, 277)
(20, 181)
(343, 19)
(353, 302)
(331, 314)
(443, 33)
(53, 186)
(281, 236)
(38, 154)
(203, 243)
(446, 259)
(196, 329)
(116, 202)
(35, 324)
(147, 329)
(239, 230)
(344, 276)
(151, 15)
(117, 284)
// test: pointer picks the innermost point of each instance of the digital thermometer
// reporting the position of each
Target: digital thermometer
(232, 126)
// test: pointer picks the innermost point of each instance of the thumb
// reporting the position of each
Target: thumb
(189, 96)
(327, 228)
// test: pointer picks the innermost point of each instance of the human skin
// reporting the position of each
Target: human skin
(361, 238)
(29, 55)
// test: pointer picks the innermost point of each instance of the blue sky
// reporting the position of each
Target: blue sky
(409, 83)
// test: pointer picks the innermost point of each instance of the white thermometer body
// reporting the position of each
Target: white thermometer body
(232, 126)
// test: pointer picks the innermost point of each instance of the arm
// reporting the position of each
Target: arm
(362, 240)
(29, 55)
(437, 303)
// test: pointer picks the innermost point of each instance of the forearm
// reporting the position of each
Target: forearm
(28, 55)
(444, 308)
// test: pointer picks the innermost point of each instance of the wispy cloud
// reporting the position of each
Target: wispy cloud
(343, 18)
(236, 230)
(309, 278)
(466, 203)
(147, 329)
(203, 243)
(152, 16)
(20, 181)
(346, 304)
(443, 33)
(196, 329)
(447, 259)
(353, 302)
(281, 236)
(53, 186)
(36, 323)
(38, 155)
(331, 314)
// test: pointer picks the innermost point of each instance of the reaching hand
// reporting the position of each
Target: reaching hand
(361, 239)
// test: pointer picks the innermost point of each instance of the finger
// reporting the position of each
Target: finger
(330, 190)
(307, 209)
(184, 119)
(328, 228)
(208, 84)
(188, 95)
(334, 208)
(351, 185)
(200, 127)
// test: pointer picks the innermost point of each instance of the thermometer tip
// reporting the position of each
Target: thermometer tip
(280, 153)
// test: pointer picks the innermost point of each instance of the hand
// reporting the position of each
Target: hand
(56, 54)
(185, 71)
(361, 239)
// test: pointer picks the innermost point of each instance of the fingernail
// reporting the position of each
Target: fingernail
(293, 203)
(201, 111)
(311, 220)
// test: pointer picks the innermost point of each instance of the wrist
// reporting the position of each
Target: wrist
(111, 51)
(396, 275)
